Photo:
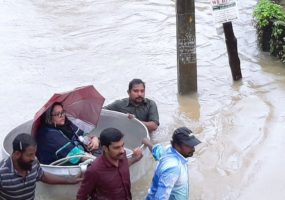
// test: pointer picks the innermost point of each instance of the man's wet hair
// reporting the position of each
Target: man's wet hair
(22, 142)
(134, 82)
(110, 135)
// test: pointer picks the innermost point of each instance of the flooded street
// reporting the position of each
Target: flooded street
(50, 46)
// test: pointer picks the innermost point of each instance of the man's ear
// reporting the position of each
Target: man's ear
(17, 154)
(177, 147)
(105, 149)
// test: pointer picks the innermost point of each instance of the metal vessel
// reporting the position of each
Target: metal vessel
(134, 131)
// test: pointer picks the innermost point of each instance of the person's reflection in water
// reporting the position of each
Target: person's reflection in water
(189, 104)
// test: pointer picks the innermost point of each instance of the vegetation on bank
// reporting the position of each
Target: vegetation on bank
(270, 24)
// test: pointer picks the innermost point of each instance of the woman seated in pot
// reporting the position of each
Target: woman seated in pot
(58, 138)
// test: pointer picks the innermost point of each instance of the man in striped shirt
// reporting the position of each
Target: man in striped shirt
(20, 172)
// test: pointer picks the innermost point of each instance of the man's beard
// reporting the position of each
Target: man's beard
(139, 100)
(120, 156)
(25, 165)
(188, 155)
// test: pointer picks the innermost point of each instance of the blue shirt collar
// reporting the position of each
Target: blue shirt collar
(181, 158)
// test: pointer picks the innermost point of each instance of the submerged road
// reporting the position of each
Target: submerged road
(50, 46)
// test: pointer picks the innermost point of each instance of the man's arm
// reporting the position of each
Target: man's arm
(153, 117)
(53, 179)
(148, 144)
(137, 155)
(151, 126)
(156, 150)
(88, 185)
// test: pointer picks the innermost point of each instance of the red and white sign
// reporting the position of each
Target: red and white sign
(224, 10)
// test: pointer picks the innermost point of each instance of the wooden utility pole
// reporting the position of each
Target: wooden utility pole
(186, 46)
(231, 43)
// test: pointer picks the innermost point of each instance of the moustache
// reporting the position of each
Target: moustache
(120, 154)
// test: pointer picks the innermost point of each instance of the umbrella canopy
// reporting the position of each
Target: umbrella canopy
(84, 103)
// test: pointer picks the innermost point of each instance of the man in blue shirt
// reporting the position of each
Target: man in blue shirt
(170, 180)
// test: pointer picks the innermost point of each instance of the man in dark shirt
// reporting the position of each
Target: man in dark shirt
(20, 172)
(108, 177)
(137, 105)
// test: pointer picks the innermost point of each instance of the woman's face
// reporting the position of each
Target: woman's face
(58, 115)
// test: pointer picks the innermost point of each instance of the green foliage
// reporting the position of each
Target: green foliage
(277, 39)
(267, 11)
(270, 23)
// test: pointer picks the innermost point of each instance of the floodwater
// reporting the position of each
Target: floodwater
(51, 46)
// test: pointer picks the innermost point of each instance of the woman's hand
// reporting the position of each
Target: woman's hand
(94, 144)
(87, 156)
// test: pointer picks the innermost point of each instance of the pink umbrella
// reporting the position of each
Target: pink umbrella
(84, 103)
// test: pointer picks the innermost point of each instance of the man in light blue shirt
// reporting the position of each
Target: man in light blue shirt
(170, 180)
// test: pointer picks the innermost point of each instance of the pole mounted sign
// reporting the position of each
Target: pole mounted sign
(186, 46)
(224, 10)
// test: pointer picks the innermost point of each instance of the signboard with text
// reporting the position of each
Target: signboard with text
(224, 10)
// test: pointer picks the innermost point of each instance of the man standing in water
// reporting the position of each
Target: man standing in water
(137, 105)
(108, 177)
(170, 180)
(20, 172)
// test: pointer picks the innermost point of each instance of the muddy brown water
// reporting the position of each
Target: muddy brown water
(51, 46)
